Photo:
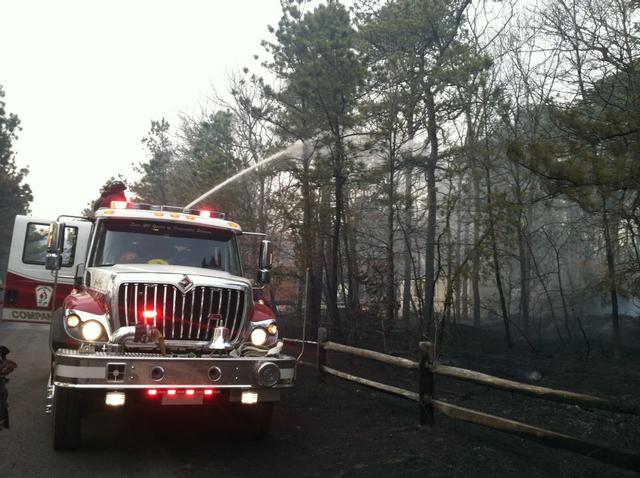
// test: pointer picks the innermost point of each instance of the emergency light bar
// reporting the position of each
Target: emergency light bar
(155, 207)
(119, 204)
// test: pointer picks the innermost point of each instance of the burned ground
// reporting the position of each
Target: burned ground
(327, 429)
(459, 449)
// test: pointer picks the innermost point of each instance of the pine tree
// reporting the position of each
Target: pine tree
(15, 195)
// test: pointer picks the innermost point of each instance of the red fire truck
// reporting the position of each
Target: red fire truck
(148, 306)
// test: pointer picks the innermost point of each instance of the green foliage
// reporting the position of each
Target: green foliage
(208, 148)
(15, 195)
(206, 158)
(496, 137)
(317, 58)
(154, 185)
(422, 42)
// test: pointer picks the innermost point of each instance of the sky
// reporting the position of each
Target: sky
(87, 77)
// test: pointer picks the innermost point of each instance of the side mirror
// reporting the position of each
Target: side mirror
(266, 255)
(53, 262)
(78, 279)
(265, 262)
(264, 276)
(55, 239)
(55, 243)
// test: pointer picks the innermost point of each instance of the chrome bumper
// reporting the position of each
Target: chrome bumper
(121, 371)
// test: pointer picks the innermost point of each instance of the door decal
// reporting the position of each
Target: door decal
(43, 295)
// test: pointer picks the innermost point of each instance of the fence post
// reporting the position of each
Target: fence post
(425, 383)
(322, 353)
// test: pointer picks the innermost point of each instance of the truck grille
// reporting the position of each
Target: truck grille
(182, 316)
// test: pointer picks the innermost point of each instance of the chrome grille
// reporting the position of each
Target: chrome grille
(182, 316)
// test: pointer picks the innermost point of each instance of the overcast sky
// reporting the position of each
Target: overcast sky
(87, 77)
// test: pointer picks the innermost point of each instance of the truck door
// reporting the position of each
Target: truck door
(28, 287)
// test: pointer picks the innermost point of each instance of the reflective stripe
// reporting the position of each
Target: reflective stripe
(26, 315)
(70, 371)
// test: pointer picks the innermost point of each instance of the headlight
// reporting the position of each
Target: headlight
(92, 330)
(73, 320)
(272, 329)
(258, 337)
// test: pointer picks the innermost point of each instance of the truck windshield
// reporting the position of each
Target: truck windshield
(124, 241)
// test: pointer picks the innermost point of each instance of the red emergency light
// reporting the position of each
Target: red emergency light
(204, 213)
(152, 393)
(149, 314)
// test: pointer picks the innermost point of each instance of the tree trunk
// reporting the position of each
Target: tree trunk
(430, 250)
(465, 280)
(408, 220)
(450, 277)
(351, 250)
(543, 283)
(524, 277)
(308, 240)
(339, 179)
(613, 288)
(565, 310)
(476, 174)
(323, 248)
(262, 220)
(458, 246)
(496, 262)
(475, 266)
(390, 272)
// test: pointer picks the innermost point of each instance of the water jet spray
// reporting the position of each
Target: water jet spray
(293, 150)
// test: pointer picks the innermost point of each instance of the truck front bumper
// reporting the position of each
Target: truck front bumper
(122, 371)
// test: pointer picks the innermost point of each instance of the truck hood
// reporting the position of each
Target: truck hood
(102, 277)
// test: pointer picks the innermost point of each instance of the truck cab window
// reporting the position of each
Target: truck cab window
(162, 243)
(35, 246)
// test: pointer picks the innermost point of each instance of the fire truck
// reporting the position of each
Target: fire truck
(149, 307)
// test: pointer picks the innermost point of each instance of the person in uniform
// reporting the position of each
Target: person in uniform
(6, 367)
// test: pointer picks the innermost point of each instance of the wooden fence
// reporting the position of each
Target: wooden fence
(427, 368)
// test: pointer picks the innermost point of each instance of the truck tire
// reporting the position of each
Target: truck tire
(254, 421)
(66, 419)
(56, 331)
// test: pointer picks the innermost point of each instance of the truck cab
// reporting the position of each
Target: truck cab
(158, 314)
(28, 286)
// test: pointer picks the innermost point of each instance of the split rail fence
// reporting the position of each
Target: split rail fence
(427, 368)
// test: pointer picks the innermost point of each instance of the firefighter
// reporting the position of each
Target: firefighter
(6, 367)
(110, 192)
